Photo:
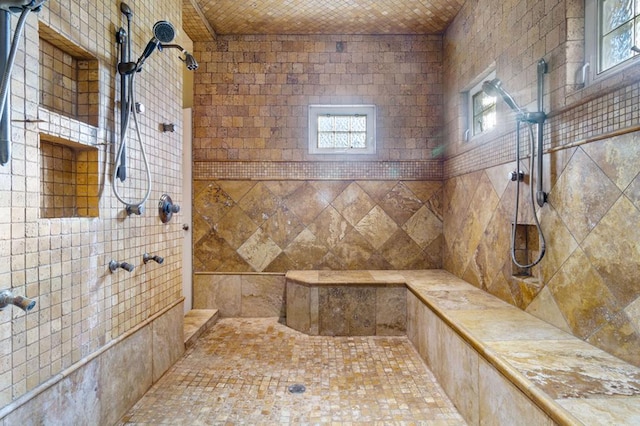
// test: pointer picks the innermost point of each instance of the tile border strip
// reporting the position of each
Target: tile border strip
(319, 170)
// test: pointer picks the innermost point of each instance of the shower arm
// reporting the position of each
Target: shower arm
(188, 59)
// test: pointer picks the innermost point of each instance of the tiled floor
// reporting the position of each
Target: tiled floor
(239, 372)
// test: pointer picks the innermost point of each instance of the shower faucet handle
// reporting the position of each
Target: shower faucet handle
(114, 266)
(166, 208)
(516, 175)
(147, 258)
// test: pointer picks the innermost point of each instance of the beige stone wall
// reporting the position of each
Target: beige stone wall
(252, 95)
(586, 283)
(263, 204)
(61, 259)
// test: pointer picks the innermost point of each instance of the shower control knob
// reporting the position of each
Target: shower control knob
(185, 227)
(516, 176)
(166, 208)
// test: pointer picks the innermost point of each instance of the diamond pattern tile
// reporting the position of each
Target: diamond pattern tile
(353, 203)
(275, 226)
(376, 227)
(259, 250)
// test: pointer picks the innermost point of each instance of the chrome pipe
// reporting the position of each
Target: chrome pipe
(7, 298)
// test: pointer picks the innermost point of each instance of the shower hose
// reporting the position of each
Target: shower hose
(543, 244)
(121, 146)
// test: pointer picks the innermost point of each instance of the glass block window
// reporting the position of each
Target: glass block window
(619, 24)
(342, 129)
(484, 112)
(481, 108)
(612, 32)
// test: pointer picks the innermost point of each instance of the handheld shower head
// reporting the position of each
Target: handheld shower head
(494, 88)
(163, 32)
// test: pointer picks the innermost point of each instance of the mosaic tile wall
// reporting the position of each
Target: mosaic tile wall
(586, 283)
(62, 263)
(276, 226)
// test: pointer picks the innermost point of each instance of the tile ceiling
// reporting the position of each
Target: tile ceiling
(204, 19)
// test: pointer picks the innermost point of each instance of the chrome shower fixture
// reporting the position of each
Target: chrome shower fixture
(166, 208)
(188, 59)
(8, 50)
(494, 88)
(163, 32)
(135, 209)
(114, 266)
(146, 258)
(7, 298)
(17, 6)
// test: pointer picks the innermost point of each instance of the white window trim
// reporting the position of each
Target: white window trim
(591, 66)
(317, 110)
(475, 88)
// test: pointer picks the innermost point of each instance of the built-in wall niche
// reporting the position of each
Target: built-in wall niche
(69, 184)
(69, 78)
(526, 249)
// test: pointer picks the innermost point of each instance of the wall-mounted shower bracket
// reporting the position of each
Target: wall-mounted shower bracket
(166, 208)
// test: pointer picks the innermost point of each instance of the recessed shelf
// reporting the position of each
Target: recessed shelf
(69, 78)
(69, 184)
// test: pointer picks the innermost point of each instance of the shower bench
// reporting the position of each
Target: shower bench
(497, 363)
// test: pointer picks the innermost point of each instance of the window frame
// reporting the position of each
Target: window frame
(593, 46)
(475, 88)
(352, 110)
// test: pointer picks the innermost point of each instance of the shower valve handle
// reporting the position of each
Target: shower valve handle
(516, 175)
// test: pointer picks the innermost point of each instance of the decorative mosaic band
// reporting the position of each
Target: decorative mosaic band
(325, 170)
(597, 115)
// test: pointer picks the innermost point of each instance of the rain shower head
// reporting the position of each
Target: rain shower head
(494, 88)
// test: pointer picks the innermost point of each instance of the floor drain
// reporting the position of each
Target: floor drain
(297, 388)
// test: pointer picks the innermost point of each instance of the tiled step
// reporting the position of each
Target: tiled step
(196, 321)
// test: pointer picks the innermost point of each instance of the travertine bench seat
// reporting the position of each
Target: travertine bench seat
(498, 364)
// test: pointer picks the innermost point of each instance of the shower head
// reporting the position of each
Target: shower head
(188, 59)
(17, 6)
(494, 88)
(126, 10)
(163, 32)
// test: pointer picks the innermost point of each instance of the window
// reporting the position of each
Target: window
(612, 30)
(342, 129)
(481, 109)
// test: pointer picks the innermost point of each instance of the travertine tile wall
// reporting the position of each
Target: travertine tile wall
(262, 204)
(276, 226)
(586, 283)
(252, 94)
(62, 262)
